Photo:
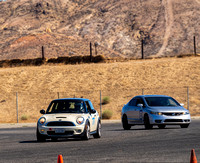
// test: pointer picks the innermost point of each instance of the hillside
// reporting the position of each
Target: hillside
(66, 27)
(37, 86)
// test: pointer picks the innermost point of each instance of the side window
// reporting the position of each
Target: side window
(88, 106)
(133, 102)
(139, 101)
(171, 102)
(91, 106)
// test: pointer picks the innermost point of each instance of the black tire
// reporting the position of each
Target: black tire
(161, 126)
(40, 137)
(125, 124)
(98, 134)
(147, 124)
(184, 126)
(54, 139)
(86, 135)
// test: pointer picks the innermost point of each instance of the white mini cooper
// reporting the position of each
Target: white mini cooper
(69, 117)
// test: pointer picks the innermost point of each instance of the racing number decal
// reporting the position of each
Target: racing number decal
(93, 121)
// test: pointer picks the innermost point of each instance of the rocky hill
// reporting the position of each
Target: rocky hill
(66, 27)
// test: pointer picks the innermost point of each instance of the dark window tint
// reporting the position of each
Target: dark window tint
(139, 101)
(66, 106)
(88, 106)
(161, 101)
(133, 102)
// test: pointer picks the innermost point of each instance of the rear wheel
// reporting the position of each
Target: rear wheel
(40, 137)
(98, 134)
(147, 123)
(86, 135)
(161, 126)
(185, 126)
(125, 124)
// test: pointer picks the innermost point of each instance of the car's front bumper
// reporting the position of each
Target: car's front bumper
(169, 120)
(61, 131)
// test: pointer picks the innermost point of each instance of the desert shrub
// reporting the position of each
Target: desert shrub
(107, 114)
(98, 58)
(24, 117)
(106, 100)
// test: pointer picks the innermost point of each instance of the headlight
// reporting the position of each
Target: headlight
(156, 113)
(42, 120)
(185, 113)
(80, 120)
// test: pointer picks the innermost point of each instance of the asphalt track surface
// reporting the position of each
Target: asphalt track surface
(173, 144)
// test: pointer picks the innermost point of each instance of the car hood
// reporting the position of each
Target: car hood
(168, 109)
(63, 117)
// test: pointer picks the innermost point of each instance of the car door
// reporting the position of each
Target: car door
(131, 111)
(93, 118)
(139, 110)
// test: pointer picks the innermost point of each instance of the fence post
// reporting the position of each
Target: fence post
(188, 100)
(100, 106)
(58, 95)
(142, 48)
(142, 91)
(17, 106)
(42, 52)
(95, 45)
(90, 52)
(195, 52)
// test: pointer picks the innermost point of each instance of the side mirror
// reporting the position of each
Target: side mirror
(42, 111)
(140, 105)
(93, 111)
(182, 104)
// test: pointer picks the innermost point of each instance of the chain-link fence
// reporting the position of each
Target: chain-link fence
(25, 106)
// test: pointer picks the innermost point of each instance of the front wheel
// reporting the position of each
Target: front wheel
(98, 134)
(161, 126)
(86, 135)
(40, 137)
(147, 123)
(185, 126)
(125, 124)
(54, 139)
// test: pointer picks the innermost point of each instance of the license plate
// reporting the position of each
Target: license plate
(60, 131)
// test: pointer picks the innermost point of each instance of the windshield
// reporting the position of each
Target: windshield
(66, 106)
(161, 101)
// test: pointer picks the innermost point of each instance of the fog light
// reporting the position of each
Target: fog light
(79, 131)
(42, 130)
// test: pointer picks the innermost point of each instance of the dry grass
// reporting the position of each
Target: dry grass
(37, 86)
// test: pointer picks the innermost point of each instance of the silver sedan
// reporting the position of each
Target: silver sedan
(150, 110)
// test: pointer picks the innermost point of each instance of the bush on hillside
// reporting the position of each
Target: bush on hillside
(107, 114)
(106, 100)
(24, 117)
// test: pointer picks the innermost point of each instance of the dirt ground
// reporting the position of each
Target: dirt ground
(35, 87)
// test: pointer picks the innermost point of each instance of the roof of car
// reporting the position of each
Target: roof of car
(152, 96)
(74, 99)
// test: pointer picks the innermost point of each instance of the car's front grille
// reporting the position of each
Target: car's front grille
(173, 114)
(65, 133)
(62, 123)
(173, 120)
